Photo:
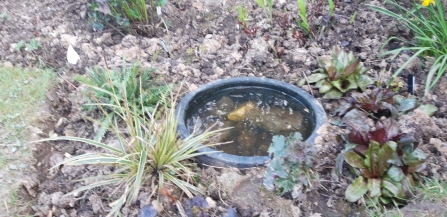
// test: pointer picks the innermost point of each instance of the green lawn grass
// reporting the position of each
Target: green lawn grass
(22, 93)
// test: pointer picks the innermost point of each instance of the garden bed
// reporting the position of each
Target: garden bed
(206, 43)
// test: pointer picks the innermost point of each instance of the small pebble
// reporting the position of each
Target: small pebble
(148, 211)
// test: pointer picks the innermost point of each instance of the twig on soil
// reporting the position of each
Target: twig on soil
(213, 166)
(116, 29)
(252, 199)
(220, 197)
(6, 206)
(242, 67)
(180, 209)
(308, 85)
(68, 81)
(153, 189)
(105, 61)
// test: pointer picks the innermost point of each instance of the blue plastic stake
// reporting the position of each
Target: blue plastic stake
(410, 82)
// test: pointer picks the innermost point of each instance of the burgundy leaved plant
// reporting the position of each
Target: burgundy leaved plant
(371, 102)
(385, 131)
(385, 161)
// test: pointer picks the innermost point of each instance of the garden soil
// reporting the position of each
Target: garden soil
(205, 44)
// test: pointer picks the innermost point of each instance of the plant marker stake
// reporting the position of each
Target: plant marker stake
(165, 48)
(410, 82)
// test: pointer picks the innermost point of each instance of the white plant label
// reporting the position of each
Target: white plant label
(72, 56)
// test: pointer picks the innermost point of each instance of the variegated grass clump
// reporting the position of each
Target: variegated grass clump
(149, 150)
(137, 83)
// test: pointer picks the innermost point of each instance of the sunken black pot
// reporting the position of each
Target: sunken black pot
(193, 100)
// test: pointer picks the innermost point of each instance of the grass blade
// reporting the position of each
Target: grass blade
(77, 139)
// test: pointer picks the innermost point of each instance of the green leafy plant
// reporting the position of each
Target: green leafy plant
(380, 101)
(149, 150)
(372, 102)
(331, 7)
(428, 24)
(137, 85)
(267, 6)
(291, 163)
(351, 21)
(125, 13)
(4, 16)
(243, 15)
(384, 160)
(33, 45)
(24, 90)
(19, 45)
(339, 74)
(303, 16)
(310, 16)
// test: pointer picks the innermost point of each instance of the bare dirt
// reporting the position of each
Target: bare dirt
(219, 50)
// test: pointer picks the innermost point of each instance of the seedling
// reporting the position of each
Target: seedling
(243, 14)
(267, 6)
(33, 45)
(303, 15)
(331, 7)
(351, 21)
(19, 45)
(4, 16)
